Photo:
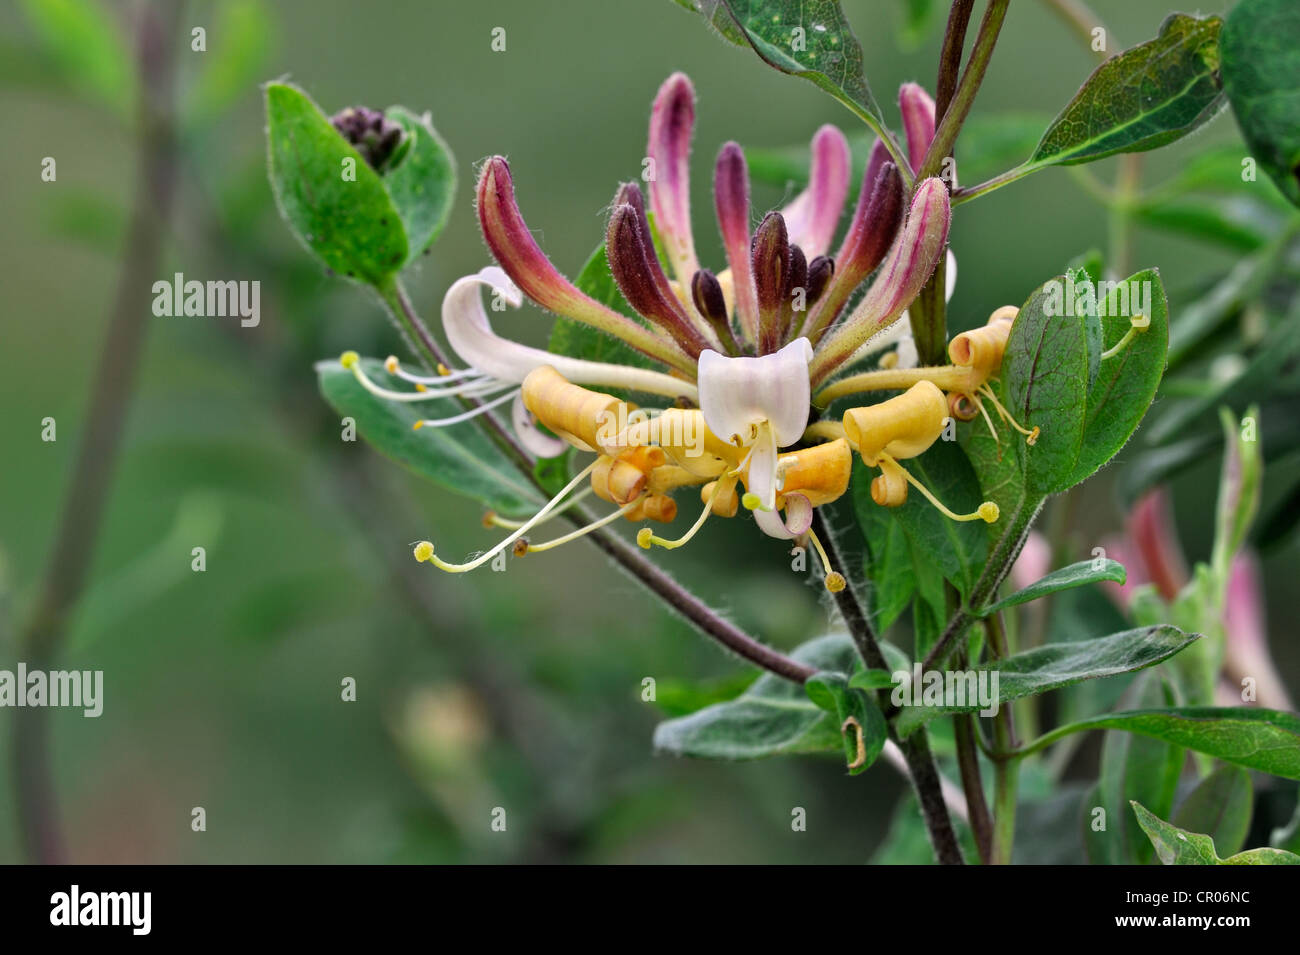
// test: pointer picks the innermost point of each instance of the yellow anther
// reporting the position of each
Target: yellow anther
(349, 359)
(390, 364)
(989, 512)
(443, 370)
(645, 537)
(751, 501)
(419, 386)
(424, 551)
(835, 582)
(417, 425)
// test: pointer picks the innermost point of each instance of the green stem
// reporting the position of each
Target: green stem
(1007, 770)
(945, 136)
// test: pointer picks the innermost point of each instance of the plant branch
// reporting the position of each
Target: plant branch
(977, 808)
(1007, 770)
(110, 397)
(945, 136)
(954, 39)
(922, 772)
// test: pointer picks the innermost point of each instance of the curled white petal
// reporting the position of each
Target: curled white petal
(532, 438)
(738, 394)
(466, 323)
(795, 523)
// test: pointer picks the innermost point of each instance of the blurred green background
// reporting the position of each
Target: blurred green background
(519, 689)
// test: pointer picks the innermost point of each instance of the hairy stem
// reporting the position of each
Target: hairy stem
(110, 397)
(916, 748)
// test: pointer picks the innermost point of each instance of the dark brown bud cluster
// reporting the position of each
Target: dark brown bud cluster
(375, 136)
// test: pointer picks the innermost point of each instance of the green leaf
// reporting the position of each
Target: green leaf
(1045, 368)
(1059, 664)
(1261, 58)
(353, 227)
(957, 548)
(773, 716)
(1134, 767)
(582, 341)
(1145, 97)
(1266, 740)
(1177, 846)
(240, 39)
(850, 705)
(460, 458)
(872, 679)
(1126, 383)
(423, 185)
(1219, 806)
(888, 560)
(807, 38)
(86, 45)
(1067, 578)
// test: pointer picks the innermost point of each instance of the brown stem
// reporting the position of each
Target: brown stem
(954, 38)
(977, 807)
(110, 397)
(916, 748)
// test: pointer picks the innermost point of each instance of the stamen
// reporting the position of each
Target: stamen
(989, 421)
(493, 519)
(466, 415)
(832, 579)
(987, 512)
(424, 549)
(473, 387)
(1031, 436)
(444, 374)
(1137, 325)
(646, 537)
(580, 532)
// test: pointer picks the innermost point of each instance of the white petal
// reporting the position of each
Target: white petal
(530, 436)
(466, 323)
(738, 394)
(795, 523)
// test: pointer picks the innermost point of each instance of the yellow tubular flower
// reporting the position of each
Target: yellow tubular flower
(819, 473)
(901, 427)
(571, 411)
(904, 427)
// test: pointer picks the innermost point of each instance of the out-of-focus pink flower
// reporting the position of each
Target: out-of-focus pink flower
(1246, 654)
(1034, 561)
(1152, 533)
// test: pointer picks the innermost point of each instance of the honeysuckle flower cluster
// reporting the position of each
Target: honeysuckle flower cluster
(747, 353)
